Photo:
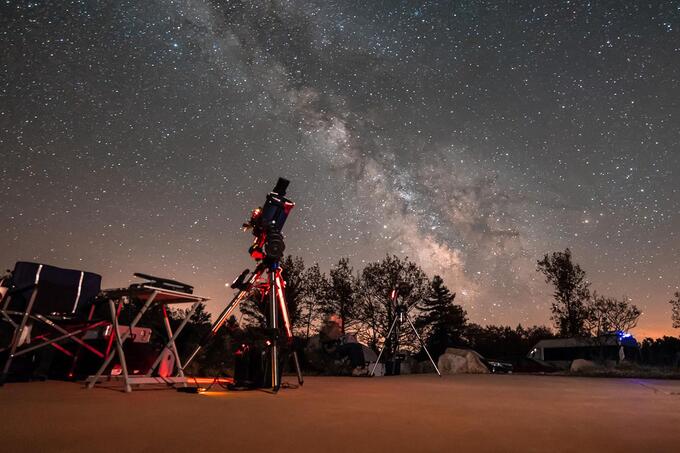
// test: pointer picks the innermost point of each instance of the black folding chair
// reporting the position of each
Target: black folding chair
(45, 306)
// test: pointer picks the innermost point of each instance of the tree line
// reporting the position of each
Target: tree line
(358, 300)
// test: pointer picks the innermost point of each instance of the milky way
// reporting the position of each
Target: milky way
(472, 137)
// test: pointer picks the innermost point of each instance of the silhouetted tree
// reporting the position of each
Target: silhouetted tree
(442, 321)
(375, 310)
(572, 292)
(608, 314)
(316, 289)
(660, 351)
(253, 309)
(504, 342)
(675, 310)
(342, 298)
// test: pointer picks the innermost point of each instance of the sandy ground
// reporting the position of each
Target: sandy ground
(394, 414)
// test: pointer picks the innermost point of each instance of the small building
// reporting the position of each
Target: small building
(560, 352)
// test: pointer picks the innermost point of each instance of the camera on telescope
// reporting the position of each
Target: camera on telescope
(266, 223)
(402, 289)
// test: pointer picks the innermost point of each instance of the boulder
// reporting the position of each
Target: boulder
(369, 354)
(457, 361)
(579, 365)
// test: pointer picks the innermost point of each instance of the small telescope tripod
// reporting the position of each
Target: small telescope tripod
(401, 314)
(273, 287)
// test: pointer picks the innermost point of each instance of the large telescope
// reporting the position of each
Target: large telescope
(266, 223)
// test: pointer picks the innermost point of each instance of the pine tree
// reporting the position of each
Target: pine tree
(341, 298)
(443, 321)
(316, 290)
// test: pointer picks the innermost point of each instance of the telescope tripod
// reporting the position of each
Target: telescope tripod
(272, 286)
(401, 315)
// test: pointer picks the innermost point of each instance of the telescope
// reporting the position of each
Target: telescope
(266, 223)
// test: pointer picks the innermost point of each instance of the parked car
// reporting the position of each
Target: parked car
(497, 367)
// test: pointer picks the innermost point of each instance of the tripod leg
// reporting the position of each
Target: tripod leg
(422, 343)
(225, 315)
(301, 380)
(286, 323)
(372, 373)
(283, 306)
(273, 326)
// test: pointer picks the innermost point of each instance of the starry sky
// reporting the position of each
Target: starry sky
(470, 136)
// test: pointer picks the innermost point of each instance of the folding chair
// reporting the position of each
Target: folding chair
(45, 306)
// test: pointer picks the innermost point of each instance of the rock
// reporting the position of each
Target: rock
(579, 365)
(456, 361)
(369, 354)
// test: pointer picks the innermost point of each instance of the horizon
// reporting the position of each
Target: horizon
(219, 294)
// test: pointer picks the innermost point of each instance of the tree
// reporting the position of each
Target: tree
(443, 321)
(675, 307)
(315, 293)
(341, 298)
(504, 342)
(660, 351)
(608, 314)
(572, 292)
(375, 309)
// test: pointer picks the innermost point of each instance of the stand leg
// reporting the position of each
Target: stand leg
(119, 347)
(422, 343)
(301, 380)
(76, 356)
(17, 335)
(273, 326)
(372, 373)
(283, 306)
(171, 341)
(119, 339)
(225, 315)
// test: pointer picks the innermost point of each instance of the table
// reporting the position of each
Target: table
(150, 295)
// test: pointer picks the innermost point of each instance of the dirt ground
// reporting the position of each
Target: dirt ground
(390, 414)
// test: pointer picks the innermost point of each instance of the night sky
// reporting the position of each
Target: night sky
(470, 136)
